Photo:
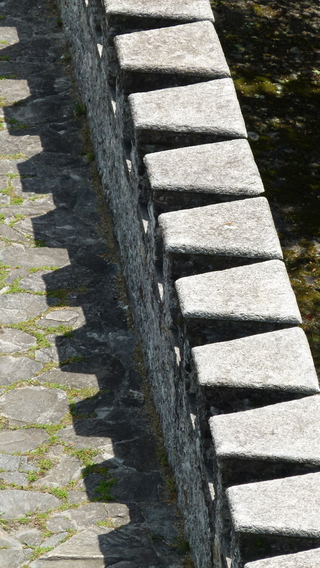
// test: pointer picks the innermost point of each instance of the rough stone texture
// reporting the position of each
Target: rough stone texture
(206, 108)
(16, 503)
(224, 168)
(12, 441)
(30, 537)
(15, 308)
(33, 258)
(65, 377)
(7, 541)
(14, 558)
(239, 228)
(13, 369)
(307, 559)
(72, 563)
(288, 431)
(190, 49)
(175, 10)
(74, 318)
(9, 233)
(14, 340)
(283, 506)
(259, 292)
(257, 362)
(14, 274)
(68, 469)
(34, 405)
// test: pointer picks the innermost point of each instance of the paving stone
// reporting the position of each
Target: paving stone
(88, 437)
(74, 317)
(37, 283)
(15, 308)
(14, 274)
(9, 233)
(15, 477)
(68, 469)
(75, 380)
(14, 255)
(85, 544)
(76, 497)
(208, 109)
(191, 49)
(175, 10)
(12, 441)
(30, 537)
(9, 463)
(16, 502)
(222, 169)
(7, 541)
(259, 292)
(60, 523)
(71, 563)
(54, 540)
(14, 340)
(13, 369)
(12, 145)
(288, 431)
(238, 228)
(34, 405)
(14, 558)
(258, 362)
(42, 110)
(88, 515)
(287, 506)
(306, 559)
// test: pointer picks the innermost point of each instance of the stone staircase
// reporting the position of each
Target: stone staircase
(212, 274)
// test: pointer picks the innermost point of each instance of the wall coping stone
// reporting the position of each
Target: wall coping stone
(258, 361)
(287, 506)
(181, 10)
(189, 49)
(206, 108)
(221, 169)
(287, 431)
(237, 228)
(258, 292)
(306, 559)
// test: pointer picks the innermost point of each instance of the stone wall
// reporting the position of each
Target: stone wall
(231, 372)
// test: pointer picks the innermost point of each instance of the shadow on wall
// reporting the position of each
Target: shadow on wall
(109, 426)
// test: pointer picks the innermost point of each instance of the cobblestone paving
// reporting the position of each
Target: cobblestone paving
(80, 484)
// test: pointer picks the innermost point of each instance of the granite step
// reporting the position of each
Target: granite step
(233, 303)
(255, 370)
(129, 15)
(186, 116)
(280, 440)
(169, 57)
(274, 517)
(308, 559)
(223, 171)
(218, 236)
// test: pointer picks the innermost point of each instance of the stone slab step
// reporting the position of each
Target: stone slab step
(275, 517)
(274, 441)
(216, 172)
(219, 236)
(125, 15)
(236, 302)
(263, 368)
(170, 56)
(307, 559)
(184, 116)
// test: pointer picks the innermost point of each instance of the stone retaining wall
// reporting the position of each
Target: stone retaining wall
(231, 373)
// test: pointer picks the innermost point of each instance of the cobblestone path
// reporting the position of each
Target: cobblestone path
(80, 484)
